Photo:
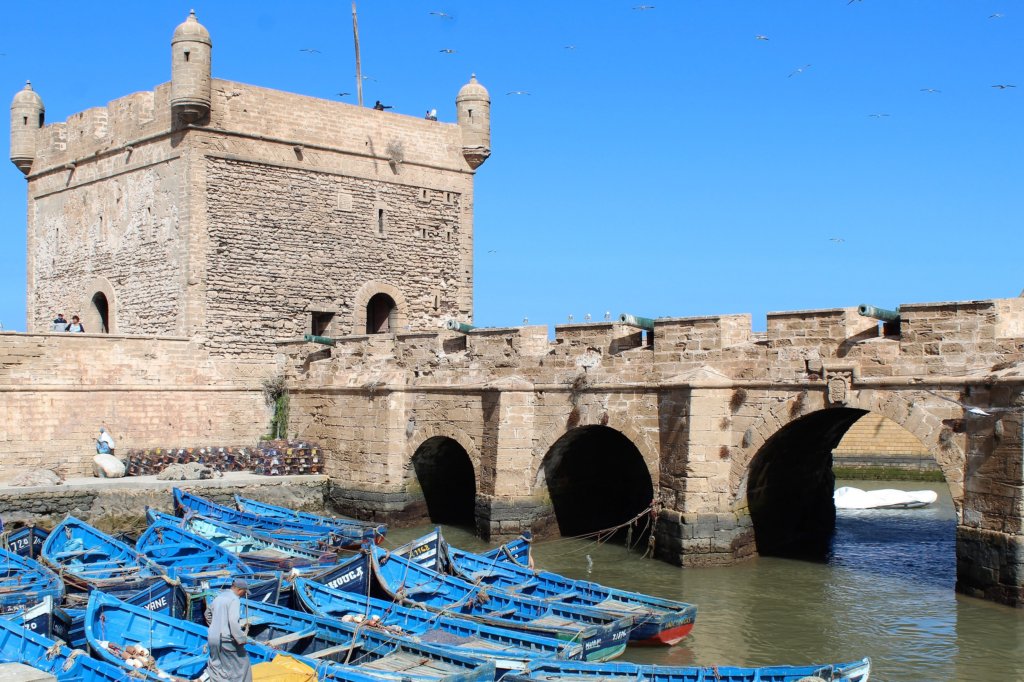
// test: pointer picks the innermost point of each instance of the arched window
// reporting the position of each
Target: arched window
(101, 312)
(381, 313)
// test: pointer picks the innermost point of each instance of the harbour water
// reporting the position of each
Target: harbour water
(887, 593)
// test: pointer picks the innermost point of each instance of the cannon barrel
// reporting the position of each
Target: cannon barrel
(456, 326)
(325, 340)
(635, 321)
(879, 313)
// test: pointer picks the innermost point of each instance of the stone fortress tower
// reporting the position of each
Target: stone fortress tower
(239, 215)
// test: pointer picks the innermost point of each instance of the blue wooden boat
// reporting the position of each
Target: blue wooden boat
(19, 645)
(178, 647)
(310, 535)
(25, 582)
(397, 579)
(260, 552)
(188, 557)
(26, 541)
(574, 671)
(373, 649)
(43, 618)
(87, 559)
(510, 650)
(655, 620)
(272, 510)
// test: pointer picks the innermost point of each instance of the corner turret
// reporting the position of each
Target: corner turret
(27, 113)
(191, 51)
(474, 110)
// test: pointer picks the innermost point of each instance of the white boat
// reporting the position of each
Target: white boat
(887, 498)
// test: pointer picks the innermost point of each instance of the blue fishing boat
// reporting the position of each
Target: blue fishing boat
(26, 540)
(574, 671)
(296, 532)
(189, 557)
(372, 648)
(655, 620)
(88, 559)
(177, 648)
(43, 618)
(19, 645)
(260, 552)
(510, 650)
(272, 510)
(25, 582)
(397, 579)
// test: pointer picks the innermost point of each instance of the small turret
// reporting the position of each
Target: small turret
(191, 51)
(27, 113)
(474, 110)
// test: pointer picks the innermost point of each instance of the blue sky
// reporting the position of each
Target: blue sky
(666, 162)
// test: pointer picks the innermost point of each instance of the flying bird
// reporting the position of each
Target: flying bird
(852, 1)
(930, 90)
(517, 92)
(569, 47)
(997, 15)
(878, 115)
(310, 50)
(800, 70)
(837, 240)
(443, 15)
(643, 7)
(761, 37)
(447, 50)
(1003, 86)
(344, 94)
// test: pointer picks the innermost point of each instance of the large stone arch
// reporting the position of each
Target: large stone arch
(362, 298)
(442, 475)
(98, 288)
(425, 432)
(914, 417)
(624, 424)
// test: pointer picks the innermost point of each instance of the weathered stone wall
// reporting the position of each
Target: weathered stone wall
(56, 390)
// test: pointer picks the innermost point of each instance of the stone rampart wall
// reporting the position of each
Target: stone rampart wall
(56, 390)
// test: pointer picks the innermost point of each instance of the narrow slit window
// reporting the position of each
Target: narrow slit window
(470, 115)
(24, 121)
(186, 55)
(380, 221)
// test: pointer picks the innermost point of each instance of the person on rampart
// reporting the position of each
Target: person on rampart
(76, 325)
(104, 444)
(229, 661)
(60, 324)
(379, 106)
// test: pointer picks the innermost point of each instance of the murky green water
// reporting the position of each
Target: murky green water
(887, 593)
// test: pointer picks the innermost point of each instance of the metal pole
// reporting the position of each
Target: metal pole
(359, 70)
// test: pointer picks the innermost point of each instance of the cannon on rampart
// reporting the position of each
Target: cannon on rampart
(456, 326)
(645, 323)
(882, 314)
(324, 340)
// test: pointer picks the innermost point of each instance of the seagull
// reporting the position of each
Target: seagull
(369, 78)
(930, 90)
(970, 409)
(493, 251)
(997, 15)
(517, 92)
(800, 70)
(852, 1)
(344, 94)
(310, 50)
(443, 15)
(1003, 86)
(447, 50)
(761, 37)
(877, 115)
(837, 240)
(569, 47)
(643, 7)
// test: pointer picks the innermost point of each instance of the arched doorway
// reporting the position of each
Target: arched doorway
(597, 479)
(446, 477)
(100, 309)
(381, 313)
(790, 485)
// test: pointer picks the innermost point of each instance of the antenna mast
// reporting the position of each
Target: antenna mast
(359, 70)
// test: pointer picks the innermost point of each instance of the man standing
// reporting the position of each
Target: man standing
(229, 662)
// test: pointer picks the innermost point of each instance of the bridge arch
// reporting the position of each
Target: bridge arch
(787, 481)
(596, 478)
(442, 471)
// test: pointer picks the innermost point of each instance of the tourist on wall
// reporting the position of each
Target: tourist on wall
(76, 325)
(105, 444)
(229, 661)
(60, 324)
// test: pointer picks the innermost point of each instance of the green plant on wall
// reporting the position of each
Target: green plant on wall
(276, 393)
